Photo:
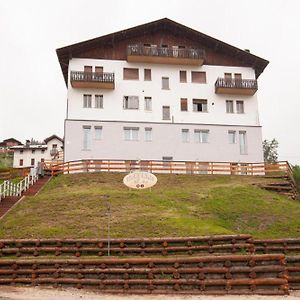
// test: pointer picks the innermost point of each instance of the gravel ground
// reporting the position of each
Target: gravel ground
(38, 293)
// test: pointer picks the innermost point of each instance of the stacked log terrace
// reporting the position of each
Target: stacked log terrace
(293, 268)
(288, 246)
(229, 274)
(223, 244)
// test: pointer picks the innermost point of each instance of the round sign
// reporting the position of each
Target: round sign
(140, 180)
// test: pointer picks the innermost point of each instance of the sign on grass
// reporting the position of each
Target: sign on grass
(140, 180)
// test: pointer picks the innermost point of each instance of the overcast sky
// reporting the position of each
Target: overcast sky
(33, 92)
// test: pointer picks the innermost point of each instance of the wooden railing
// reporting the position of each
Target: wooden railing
(8, 188)
(92, 76)
(281, 168)
(236, 83)
(142, 50)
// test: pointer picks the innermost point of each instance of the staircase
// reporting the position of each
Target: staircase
(11, 193)
(286, 186)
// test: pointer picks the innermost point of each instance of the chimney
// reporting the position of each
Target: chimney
(247, 50)
(27, 143)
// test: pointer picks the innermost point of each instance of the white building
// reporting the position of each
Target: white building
(31, 154)
(161, 91)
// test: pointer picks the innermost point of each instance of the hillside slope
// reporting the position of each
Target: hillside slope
(179, 205)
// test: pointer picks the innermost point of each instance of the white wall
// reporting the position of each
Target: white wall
(38, 155)
(113, 99)
(166, 141)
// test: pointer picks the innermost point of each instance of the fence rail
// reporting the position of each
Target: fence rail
(92, 76)
(236, 83)
(8, 188)
(234, 274)
(141, 50)
(281, 168)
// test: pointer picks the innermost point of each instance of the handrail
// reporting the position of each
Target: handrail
(236, 83)
(142, 50)
(93, 76)
(8, 188)
(181, 167)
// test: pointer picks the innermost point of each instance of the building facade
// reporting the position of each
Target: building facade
(32, 153)
(161, 91)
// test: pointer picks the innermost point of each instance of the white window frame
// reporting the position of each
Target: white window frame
(87, 101)
(131, 102)
(203, 105)
(229, 106)
(201, 136)
(148, 103)
(98, 133)
(148, 134)
(131, 133)
(165, 80)
(232, 136)
(243, 142)
(98, 101)
(240, 104)
(87, 137)
(185, 135)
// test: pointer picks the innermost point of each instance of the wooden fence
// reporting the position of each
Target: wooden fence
(281, 168)
(12, 173)
(128, 247)
(234, 274)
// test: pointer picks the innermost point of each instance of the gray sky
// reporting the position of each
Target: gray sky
(33, 92)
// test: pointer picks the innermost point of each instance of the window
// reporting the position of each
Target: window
(32, 161)
(182, 76)
(98, 133)
(147, 74)
(148, 103)
(185, 135)
(183, 104)
(165, 83)
(131, 133)
(54, 146)
(232, 136)
(167, 160)
(98, 101)
(229, 106)
(32, 151)
(42, 160)
(86, 137)
(21, 151)
(201, 136)
(88, 69)
(243, 142)
(131, 102)
(227, 76)
(87, 101)
(21, 162)
(240, 107)
(198, 77)
(237, 76)
(200, 105)
(166, 113)
(148, 134)
(130, 74)
(43, 150)
(98, 69)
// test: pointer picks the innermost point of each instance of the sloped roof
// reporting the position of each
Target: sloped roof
(53, 136)
(66, 53)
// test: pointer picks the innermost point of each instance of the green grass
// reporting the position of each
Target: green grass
(179, 205)
(6, 160)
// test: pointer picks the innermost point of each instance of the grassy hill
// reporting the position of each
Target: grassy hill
(6, 160)
(179, 205)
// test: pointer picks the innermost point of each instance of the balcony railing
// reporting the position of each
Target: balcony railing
(165, 54)
(236, 86)
(81, 79)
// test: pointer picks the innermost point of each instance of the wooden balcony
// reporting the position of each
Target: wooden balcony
(92, 80)
(165, 55)
(246, 87)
